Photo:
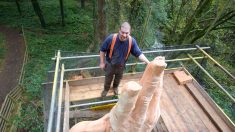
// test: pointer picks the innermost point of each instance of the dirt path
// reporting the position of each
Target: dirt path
(11, 68)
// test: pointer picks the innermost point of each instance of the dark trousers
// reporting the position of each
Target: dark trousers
(113, 71)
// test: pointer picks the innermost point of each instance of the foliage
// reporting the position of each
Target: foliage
(180, 22)
(217, 94)
(42, 44)
(134, 11)
(2, 49)
(30, 118)
(201, 18)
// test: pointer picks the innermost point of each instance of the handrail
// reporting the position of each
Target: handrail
(66, 109)
(94, 103)
(25, 57)
(208, 74)
(220, 66)
(145, 52)
(51, 114)
(129, 64)
(60, 99)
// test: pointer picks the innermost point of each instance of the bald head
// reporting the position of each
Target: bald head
(126, 25)
(124, 31)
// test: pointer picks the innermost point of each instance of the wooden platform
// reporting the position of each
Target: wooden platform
(183, 107)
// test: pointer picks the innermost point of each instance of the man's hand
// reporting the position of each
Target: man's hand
(102, 66)
(143, 59)
(102, 62)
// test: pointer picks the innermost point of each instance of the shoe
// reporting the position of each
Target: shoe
(104, 93)
(115, 91)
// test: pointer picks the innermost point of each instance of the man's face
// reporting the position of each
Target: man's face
(124, 33)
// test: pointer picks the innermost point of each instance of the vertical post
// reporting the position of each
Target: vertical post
(66, 108)
(51, 114)
(199, 74)
(60, 99)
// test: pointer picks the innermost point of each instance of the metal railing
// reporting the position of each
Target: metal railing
(209, 75)
(213, 60)
(53, 97)
(55, 119)
(145, 52)
(129, 64)
(63, 70)
(60, 99)
(8, 105)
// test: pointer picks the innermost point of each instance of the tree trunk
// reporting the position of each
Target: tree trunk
(83, 4)
(190, 24)
(62, 12)
(18, 7)
(38, 11)
(101, 20)
(95, 45)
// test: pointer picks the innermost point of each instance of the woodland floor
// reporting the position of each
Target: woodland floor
(13, 60)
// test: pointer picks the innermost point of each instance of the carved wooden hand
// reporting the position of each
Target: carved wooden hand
(138, 107)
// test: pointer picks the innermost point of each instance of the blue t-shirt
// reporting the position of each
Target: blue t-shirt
(120, 50)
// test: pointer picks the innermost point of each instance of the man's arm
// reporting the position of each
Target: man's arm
(143, 58)
(102, 61)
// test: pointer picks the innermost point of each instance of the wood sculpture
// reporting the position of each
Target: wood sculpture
(138, 107)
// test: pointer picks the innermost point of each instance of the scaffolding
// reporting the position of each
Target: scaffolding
(61, 73)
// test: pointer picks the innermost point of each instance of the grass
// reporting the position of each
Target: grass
(76, 36)
(42, 44)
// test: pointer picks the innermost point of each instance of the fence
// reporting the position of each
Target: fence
(10, 102)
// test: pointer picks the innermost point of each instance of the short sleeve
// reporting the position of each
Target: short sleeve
(106, 44)
(135, 50)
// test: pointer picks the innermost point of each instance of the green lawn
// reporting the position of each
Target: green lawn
(76, 36)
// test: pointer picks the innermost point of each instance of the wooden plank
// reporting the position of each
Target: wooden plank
(92, 91)
(218, 110)
(126, 76)
(199, 113)
(215, 118)
(184, 108)
(160, 127)
(85, 73)
(169, 114)
(182, 77)
(180, 111)
(178, 103)
(66, 108)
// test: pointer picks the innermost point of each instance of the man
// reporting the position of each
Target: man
(117, 47)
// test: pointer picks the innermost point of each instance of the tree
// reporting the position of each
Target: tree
(101, 20)
(62, 12)
(192, 20)
(38, 11)
(83, 4)
(18, 6)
